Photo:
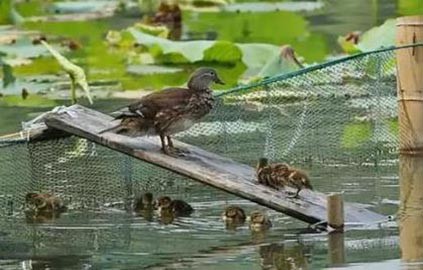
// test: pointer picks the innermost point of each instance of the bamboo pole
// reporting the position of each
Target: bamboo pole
(410, 118)
(410, 214)
(335, 211)
(410, 84)
(336, 249)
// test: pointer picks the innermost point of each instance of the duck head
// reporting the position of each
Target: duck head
(259, 221)
(147, 198)
(163, 203)
(35, 201)
(262, 162)
(202, 78)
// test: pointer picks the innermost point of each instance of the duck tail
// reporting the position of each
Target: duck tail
(307, 184)
(115, 129)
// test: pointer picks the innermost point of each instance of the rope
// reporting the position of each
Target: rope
(285, 76)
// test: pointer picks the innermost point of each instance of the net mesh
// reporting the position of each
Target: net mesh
(342, 113)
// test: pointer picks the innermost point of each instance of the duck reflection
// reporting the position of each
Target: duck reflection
(282, 256)
(144, 206)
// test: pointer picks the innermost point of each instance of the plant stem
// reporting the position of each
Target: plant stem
(73, 91)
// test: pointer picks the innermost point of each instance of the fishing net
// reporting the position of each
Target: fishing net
(341, 113)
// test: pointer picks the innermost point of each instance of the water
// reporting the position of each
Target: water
(110, 238)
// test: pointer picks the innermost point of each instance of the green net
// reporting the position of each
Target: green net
(341, 113)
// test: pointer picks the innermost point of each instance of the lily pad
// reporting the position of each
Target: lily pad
(5, 7)
(379, 36)
(152, 69)
(23, 48)
(273, 6)
(81, 6)
(278, 66)
(191, 50)
(223, 52)
(206, 50)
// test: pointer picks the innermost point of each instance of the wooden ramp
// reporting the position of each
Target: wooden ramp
(204, 167)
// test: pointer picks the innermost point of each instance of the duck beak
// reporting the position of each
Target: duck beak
(218, 80)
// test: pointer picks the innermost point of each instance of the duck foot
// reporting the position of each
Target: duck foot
(174, 152)
(293, 195)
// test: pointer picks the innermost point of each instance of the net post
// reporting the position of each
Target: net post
(410, 119)
(335, 208)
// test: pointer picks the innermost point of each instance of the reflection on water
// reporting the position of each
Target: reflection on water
(411, 209)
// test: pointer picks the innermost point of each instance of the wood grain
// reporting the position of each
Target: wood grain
(204, 167)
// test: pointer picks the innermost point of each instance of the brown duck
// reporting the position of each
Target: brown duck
(271, 175)
(169, 111)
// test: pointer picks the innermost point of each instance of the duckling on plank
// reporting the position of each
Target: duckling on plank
(298, 179)
(271, 175)
(259, 221)
(233, 216)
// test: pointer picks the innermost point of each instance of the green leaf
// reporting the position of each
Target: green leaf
(75, 72)
(279, 65)
(5, 8)
(158, 31)
(379, 36)
(347, 46)
(223, 52)
(410, 7)
(167, 51)
(191, 50)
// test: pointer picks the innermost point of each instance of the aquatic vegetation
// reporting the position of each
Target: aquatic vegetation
(375, 38)
(76, 73)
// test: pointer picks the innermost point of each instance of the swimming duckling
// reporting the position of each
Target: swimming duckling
(259, 221)
(297, 179)
(43, 207)
(271, 175)
(144, 202)
(144, 206)
(177, 207)
(44, 203)
(233, 216)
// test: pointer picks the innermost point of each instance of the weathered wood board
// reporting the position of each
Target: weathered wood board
(205, 167)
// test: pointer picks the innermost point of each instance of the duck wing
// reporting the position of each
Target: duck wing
(150, 105)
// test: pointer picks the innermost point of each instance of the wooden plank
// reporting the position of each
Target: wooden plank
(205, 167)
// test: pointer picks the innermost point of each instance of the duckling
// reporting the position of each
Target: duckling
(43, 207)
(177, 207)
(297, 179)
(144, 206)
(259, 221)
(271, 175)
(144, 202)
(44, 203)
(233, 216)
